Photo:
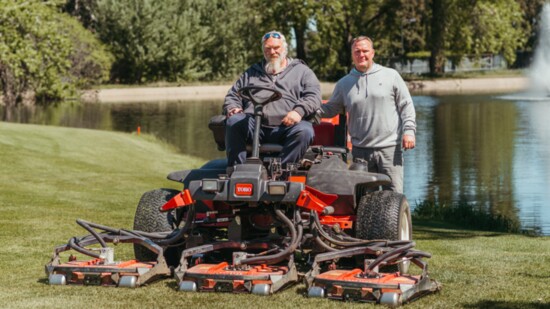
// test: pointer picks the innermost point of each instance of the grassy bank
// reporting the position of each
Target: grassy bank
(51, 176)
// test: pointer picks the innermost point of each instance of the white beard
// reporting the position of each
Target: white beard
(275, 66)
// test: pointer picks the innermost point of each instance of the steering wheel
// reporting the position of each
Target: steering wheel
(259, 95)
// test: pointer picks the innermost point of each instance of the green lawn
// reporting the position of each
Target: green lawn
(51, 176)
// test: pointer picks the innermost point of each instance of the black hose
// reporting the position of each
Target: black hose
(325, 235)
(321, 243)
(389, 255)
(88, 228)
(298, 220)
(180, 234)
(72, 243)
(275, 258)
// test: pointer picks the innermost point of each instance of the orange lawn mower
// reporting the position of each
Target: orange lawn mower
(265, 227)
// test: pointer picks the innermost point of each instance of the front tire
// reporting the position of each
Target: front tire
(148, 218)
(384, 215)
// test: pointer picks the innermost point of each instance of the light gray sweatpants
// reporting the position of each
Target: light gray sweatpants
(388, 160)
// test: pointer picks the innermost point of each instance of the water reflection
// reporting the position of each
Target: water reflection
(468, 153)
(489, 152)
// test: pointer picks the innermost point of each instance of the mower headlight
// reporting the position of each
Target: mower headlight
(276, 188)
(210, 185)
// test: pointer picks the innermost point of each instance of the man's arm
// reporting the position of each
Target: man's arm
(335, 104)
(407, 113)
(310, 100)
(233, 103)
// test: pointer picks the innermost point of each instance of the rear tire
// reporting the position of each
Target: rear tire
(384, 215)
(148, 218)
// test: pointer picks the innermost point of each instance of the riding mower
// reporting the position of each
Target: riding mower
(261, 226)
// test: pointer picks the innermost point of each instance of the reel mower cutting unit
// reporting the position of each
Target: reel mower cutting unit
(261, 226)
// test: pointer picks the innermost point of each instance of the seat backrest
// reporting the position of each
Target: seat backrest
(332, 132)
(324, 134)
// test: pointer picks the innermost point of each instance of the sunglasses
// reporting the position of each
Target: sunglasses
(274, 35)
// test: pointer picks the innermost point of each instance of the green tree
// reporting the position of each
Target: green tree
(215, 40)
(474, 27)
(151, 40)
(234, 30)
(338, 22)
(33, 56)
(292, 17)
(492, 27)
(38, 48)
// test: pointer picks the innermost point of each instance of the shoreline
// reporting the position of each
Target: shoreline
(218, 92)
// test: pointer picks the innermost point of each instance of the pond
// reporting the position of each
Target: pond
(485, 150)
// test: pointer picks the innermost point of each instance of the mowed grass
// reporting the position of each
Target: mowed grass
(51, 176)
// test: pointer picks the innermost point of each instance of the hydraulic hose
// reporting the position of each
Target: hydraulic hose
(389, 255)
(325, 235)
(87, 227)
(180, 234)
(73, 244)
(275, 258)
(321, 243)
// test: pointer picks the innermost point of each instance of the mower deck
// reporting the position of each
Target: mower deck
(370, 284)
(222, 277)
(391, 289)
(96, 272)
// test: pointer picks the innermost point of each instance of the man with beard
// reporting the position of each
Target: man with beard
(282, 121)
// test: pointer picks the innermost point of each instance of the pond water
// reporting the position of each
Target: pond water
(486, 150)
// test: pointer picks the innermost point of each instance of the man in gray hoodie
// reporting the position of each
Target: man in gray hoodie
(381, 115)
(282, 121)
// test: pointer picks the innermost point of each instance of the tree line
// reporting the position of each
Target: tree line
(51, 48)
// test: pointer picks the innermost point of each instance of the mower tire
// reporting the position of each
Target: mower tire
(384, 215)
(148, 218)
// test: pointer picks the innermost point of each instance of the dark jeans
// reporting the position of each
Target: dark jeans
(239, 129)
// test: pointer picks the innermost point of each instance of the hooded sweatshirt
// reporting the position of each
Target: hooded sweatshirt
(379, 106)
(297, 83)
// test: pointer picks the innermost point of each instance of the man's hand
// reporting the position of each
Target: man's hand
(291, 118)
(409, 141)
(234, 111)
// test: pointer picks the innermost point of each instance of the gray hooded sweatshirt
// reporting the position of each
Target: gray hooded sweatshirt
(298, 84)
(379, 106)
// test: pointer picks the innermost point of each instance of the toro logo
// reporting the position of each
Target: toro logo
(243, 189)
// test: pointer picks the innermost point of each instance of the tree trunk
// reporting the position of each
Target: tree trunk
(9, 86)
(299, 31)
(439, 19)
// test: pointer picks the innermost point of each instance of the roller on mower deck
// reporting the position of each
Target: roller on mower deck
(259, 227)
